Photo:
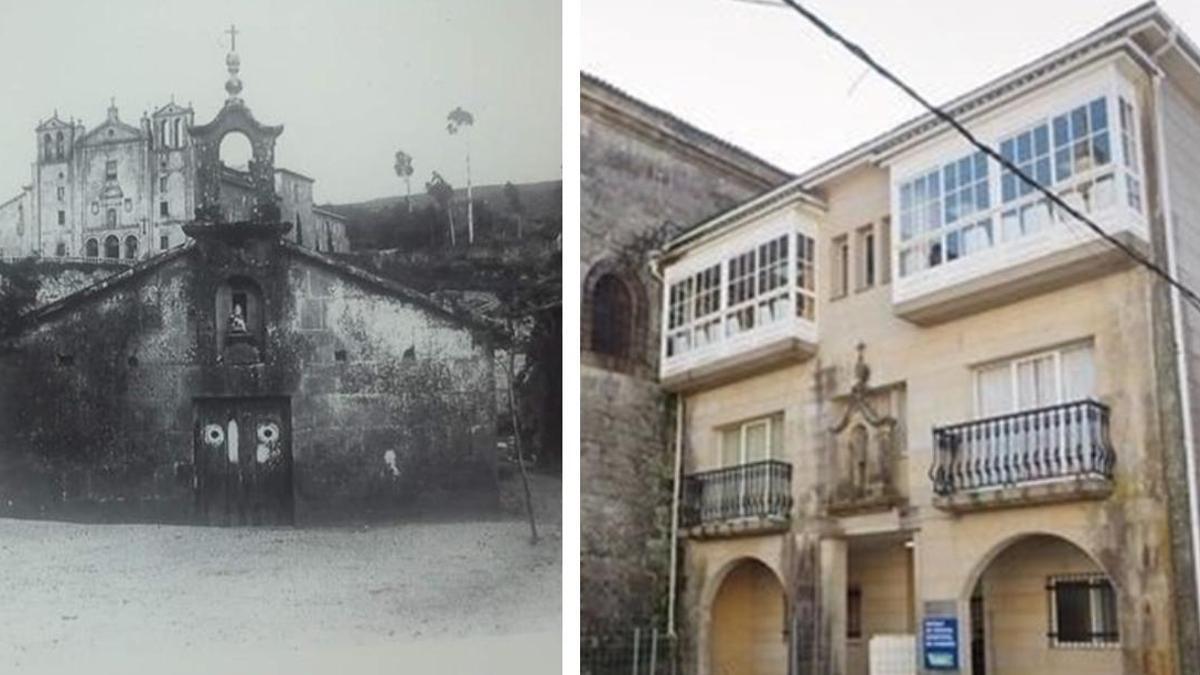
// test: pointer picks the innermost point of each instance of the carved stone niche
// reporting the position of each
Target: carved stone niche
(865, 445)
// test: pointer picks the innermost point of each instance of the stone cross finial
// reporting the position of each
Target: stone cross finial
(233, 31)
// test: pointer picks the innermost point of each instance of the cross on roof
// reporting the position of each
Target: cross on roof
(233, 31)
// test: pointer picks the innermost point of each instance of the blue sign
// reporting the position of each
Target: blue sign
(939, 637)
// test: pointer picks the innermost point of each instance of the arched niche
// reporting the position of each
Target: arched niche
(240, 320)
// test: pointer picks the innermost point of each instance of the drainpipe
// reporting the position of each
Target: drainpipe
(1181, 360)
(677, 478)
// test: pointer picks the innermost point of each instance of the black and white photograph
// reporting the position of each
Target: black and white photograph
(280, 337)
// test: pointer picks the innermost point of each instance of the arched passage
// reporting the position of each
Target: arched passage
(747, 626)
(1041, 604)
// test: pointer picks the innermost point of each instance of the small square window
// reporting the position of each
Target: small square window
(1083, 611)
(164, 242)
(62, 217)
(164, 209)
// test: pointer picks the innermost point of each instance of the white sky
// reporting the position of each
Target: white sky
(351, 82)
(767, 80)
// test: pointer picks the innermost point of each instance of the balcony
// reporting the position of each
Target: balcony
(1052, 454)
(746, 499)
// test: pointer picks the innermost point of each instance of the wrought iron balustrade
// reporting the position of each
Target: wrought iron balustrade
(754, 490)
(1069, 440)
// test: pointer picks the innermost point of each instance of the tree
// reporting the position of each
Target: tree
(404, 169)
(19, 284)
(513, 196)
(458, 119)
(442, 193)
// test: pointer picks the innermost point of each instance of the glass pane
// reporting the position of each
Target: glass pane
(1078, 374)
(995, 391)
(1061, 135)
(1099, 114)
(1037, 385)
(731, 446)
(1106, 609)
(756, 441)
(776, 447)
(1101, 149)
(1073, 614)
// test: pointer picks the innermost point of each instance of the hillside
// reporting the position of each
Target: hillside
(386, 222)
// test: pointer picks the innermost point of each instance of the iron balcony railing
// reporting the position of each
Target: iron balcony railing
(754, 490)
(1069, 440)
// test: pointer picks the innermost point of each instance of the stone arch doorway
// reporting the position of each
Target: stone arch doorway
(1039, 603)
(747, 632)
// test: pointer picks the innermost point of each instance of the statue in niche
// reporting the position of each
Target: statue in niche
(863, 443)
(237, 318)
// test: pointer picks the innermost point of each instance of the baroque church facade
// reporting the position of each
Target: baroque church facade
(124, 191)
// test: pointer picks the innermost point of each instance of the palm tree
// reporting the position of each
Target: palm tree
(457, 119)
(443, 194)
(404, 169)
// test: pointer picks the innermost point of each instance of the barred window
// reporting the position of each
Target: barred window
(1083, 611)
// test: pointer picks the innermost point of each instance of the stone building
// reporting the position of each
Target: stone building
(644, 171)
(931, 419)
(125, 191)
(240, 378)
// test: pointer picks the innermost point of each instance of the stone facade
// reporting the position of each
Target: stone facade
(644, 173)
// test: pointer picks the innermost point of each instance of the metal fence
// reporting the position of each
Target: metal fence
(641, 651)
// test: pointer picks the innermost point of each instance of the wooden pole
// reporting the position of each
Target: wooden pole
(512, 407)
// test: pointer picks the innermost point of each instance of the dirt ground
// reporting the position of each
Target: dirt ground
(427, 597)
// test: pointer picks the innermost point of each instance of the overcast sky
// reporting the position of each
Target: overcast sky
(351, 82)
(764, 78)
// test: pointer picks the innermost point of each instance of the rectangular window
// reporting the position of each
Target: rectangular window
(164, 209)
(740, 293)
(162, 183)
(853, 612)
(110, 170)
(164, 242)
(1083, 611)
(840, 269)
(885, 251)
(754, 440)
(865, 257)
(944, 214)
(62, 217)
(1129, 153)
(806, 280)
(62, 193)
(1035, 381)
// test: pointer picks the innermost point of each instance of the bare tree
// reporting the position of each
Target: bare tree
(456, 120)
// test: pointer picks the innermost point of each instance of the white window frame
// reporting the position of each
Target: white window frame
(786, 256)
(1014, 364)
(1125, 171)
(766, 421)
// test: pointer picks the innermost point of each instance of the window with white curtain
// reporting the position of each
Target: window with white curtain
(1035, 381)
(752, 441)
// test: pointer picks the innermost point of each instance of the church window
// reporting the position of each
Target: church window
(128, 204)
(612, 309)
(164, 242)
(92, 248)
(162, 133)
(60, 250)
(110, 170)
(47, 147)
(62, 217)
(164, 209)
(162, 183)
(175, 133)
(112, 247)
(110, 217)
(95, 207)
(58, 145)
(131, 247)
(61, 193)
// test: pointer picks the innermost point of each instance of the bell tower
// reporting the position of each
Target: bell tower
(239, 202)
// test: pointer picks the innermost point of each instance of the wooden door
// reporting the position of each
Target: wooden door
(244, 461)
